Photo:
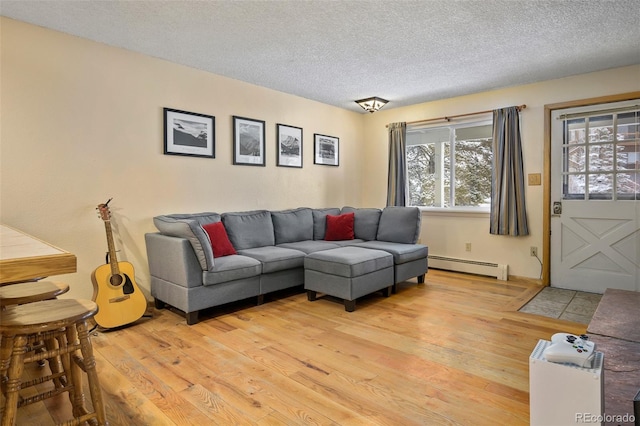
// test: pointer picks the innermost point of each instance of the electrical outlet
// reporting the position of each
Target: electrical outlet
(467, 246)
(534, 251)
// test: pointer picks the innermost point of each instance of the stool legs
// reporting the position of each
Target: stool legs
(16, 367)
(89, 363)
(72, 346)
(76, 395)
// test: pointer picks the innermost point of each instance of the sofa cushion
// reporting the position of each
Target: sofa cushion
(310, 246)
(231, 268)
(348, 261)
(249, 229)
(290, 226)
(399, 225)
(275, 259)
(189, 226)
(219, 239)
(339, 227)
(402, 253)
(366, 222)
(320, 221)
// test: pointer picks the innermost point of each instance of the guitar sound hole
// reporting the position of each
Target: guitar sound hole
(115, 280)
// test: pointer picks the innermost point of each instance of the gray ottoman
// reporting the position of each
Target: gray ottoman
(348, 273)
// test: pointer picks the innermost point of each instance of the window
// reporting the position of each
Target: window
(450, 166)
(602, 157)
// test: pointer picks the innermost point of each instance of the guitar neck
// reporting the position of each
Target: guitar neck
(113, 259)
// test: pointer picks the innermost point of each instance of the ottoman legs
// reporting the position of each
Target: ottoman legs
(349, 305)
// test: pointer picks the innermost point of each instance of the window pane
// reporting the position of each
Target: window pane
(429, 174)
(628, 184)
(601, 129)
(628, 126)
(601, 158)
(427, 136)
(575, 131)
(601, 186)
(473, 172)
(575, 160)
(628, 147)
(628, 156)
(573, 187)
(445, 189)
(421, 166)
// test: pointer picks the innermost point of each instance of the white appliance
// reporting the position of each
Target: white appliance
(565, 394)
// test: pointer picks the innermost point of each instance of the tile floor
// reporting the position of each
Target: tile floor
(570, 305)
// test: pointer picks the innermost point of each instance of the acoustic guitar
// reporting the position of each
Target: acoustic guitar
(115, 291)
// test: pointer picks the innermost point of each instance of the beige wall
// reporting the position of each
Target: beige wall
(82, 122)
(446, 235)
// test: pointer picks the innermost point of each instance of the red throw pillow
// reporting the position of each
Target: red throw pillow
(340, 227)
(219, 239)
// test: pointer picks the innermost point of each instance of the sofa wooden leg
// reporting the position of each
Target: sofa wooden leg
(421, 279)
(159, 304)
(260, 299)
(192, 318)
(350, 305)
(386, 292)
(311, 295)
(394, 288)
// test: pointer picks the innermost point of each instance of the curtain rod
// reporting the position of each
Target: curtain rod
(598, 112)
(450, 117)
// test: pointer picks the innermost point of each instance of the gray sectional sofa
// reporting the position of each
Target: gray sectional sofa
(271, 249)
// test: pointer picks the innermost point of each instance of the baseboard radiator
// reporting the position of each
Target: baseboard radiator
(469, 266)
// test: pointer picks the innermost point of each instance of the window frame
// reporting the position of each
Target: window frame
(453, 210)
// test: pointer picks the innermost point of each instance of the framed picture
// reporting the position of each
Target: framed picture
(326, 150)
(188, 133)
(248, 142)
(289, 146)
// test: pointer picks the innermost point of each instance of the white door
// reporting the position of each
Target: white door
(595, 194)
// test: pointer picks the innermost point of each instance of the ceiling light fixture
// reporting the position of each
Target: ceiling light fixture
(372, 104)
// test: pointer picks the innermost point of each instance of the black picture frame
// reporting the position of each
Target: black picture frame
(288, 146)
(248, 142)
(189, 133)
(326, 150)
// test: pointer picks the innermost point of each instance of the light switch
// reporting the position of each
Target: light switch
(535, 179)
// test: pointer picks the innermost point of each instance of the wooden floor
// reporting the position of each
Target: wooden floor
(451, 351)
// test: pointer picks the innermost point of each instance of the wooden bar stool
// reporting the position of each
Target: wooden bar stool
(29, 292)
(66, 321)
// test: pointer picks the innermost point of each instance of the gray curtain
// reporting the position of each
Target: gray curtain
(397, 183)
(508, 209)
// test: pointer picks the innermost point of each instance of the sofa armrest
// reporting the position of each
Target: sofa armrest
(173, 259)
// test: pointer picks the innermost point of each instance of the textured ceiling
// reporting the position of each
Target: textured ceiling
(338, 51)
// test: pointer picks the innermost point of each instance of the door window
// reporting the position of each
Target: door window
(601, 156)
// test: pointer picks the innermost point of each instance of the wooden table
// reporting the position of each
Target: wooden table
(23, 257)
